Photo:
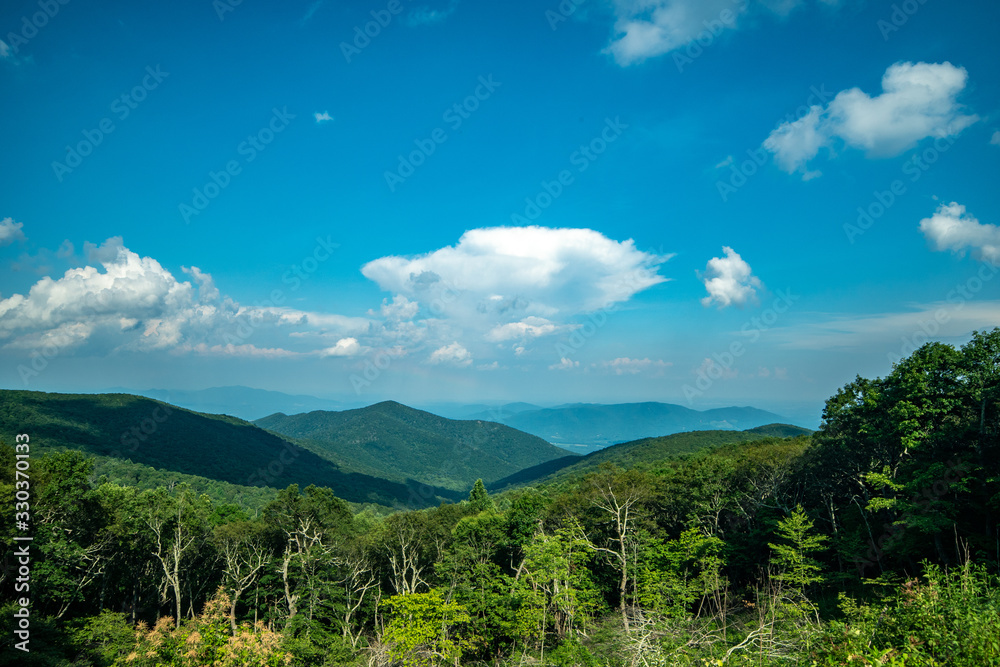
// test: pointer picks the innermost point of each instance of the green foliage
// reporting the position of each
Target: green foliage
(649, 558)
(793, 557)
(479, 498)
(951, 617)
(425, 629)
(399, 443)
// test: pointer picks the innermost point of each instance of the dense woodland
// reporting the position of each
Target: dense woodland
(873, 541)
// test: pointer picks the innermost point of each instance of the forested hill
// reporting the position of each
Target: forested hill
(175, 440)
(397, 442)
(644, 451)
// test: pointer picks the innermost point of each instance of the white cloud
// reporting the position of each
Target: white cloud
(565, 364)
(133, 303)
(207, 291)
(626, 366)
(453, 354)
(918, 100)
(995, 139)
(323, 117)
(504, 284)
(345, 347)
(400, 308)
(648, 28)
(502, 269)
(4, 49)
(530, 327)
(11, 231)
(951, 228)
(729, 281)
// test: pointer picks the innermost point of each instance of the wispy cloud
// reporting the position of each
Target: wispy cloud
(429, 16)
(310, 11)
(324, 117)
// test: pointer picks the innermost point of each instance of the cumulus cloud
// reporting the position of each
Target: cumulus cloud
(918, 100)
(626, 366)
(11, 231)
(324, 117)
(729, 281)
(4, 49)
(453, 354)
(129, 302)
(400, 308)
(995, 139)
(507, 284)
(565, 364)
(207, 291)
(532, 268)
(345, 347)
(952, 228)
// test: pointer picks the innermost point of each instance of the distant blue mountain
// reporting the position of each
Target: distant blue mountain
(586, 427)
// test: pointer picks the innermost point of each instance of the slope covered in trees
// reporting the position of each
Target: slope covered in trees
(174, 440)
(871, 542)
(400, 443)
(641, 453)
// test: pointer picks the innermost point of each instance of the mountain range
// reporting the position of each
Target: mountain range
(397, 442)
(386, 454)
(587, 427)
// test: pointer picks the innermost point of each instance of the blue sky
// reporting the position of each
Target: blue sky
(495, 201)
